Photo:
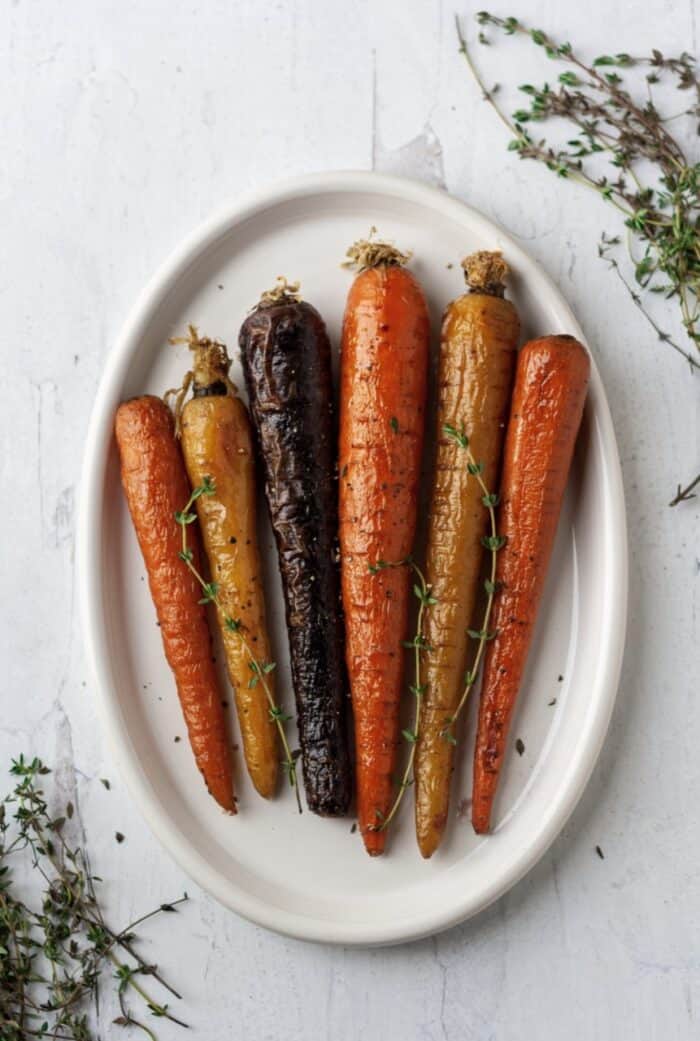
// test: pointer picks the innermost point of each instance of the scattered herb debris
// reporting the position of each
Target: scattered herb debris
(353, 829)
(177, 738)
(600, 852)
(394, 424)
(520, 746)
(118, 836)
(105, 783)
(552, 702)
(685, 494)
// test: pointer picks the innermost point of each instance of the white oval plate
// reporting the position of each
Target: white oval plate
(305, 876)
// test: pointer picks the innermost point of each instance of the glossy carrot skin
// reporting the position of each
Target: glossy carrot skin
(384, 363)
(217, 443)
(155, 484)
(548, 398)
(477, 361)
(286, 358)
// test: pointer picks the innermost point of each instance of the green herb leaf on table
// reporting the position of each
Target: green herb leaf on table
(615, 110)
(56, 953)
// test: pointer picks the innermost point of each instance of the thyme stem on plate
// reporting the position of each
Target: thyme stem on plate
(493, 542)
(418, 645)
(423, 592)
(259, 670)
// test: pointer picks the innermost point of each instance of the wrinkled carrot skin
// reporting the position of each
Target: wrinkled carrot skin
(548, 398)
(216, 442)
(384, 363)
(477, 361)
(155, 484)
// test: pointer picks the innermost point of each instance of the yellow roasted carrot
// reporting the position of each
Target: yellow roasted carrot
(217, 446)
(477, 359)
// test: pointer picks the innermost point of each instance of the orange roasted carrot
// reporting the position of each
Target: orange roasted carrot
(156, 487)
(383, 375)
(550, 389)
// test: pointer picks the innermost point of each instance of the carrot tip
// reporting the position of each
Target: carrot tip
(426, 848)
(481, 825)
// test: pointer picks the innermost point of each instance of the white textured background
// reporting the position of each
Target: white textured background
(124, 124)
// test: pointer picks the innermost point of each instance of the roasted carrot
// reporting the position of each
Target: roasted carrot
(217, 444)
(477, 359)
(286, 358)
(156, 487)
(550, 389)
(384, 361)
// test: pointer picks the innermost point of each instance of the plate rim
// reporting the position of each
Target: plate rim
(89, 543)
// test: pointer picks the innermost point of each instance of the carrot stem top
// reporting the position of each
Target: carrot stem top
(210, 366)
(368, 253)
(282, 292)
(485, 272)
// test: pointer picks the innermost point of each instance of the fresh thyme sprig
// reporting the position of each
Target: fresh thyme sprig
(653, 186)
(53, 956)
(259, 670)
(493, 542)
(421, 590)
